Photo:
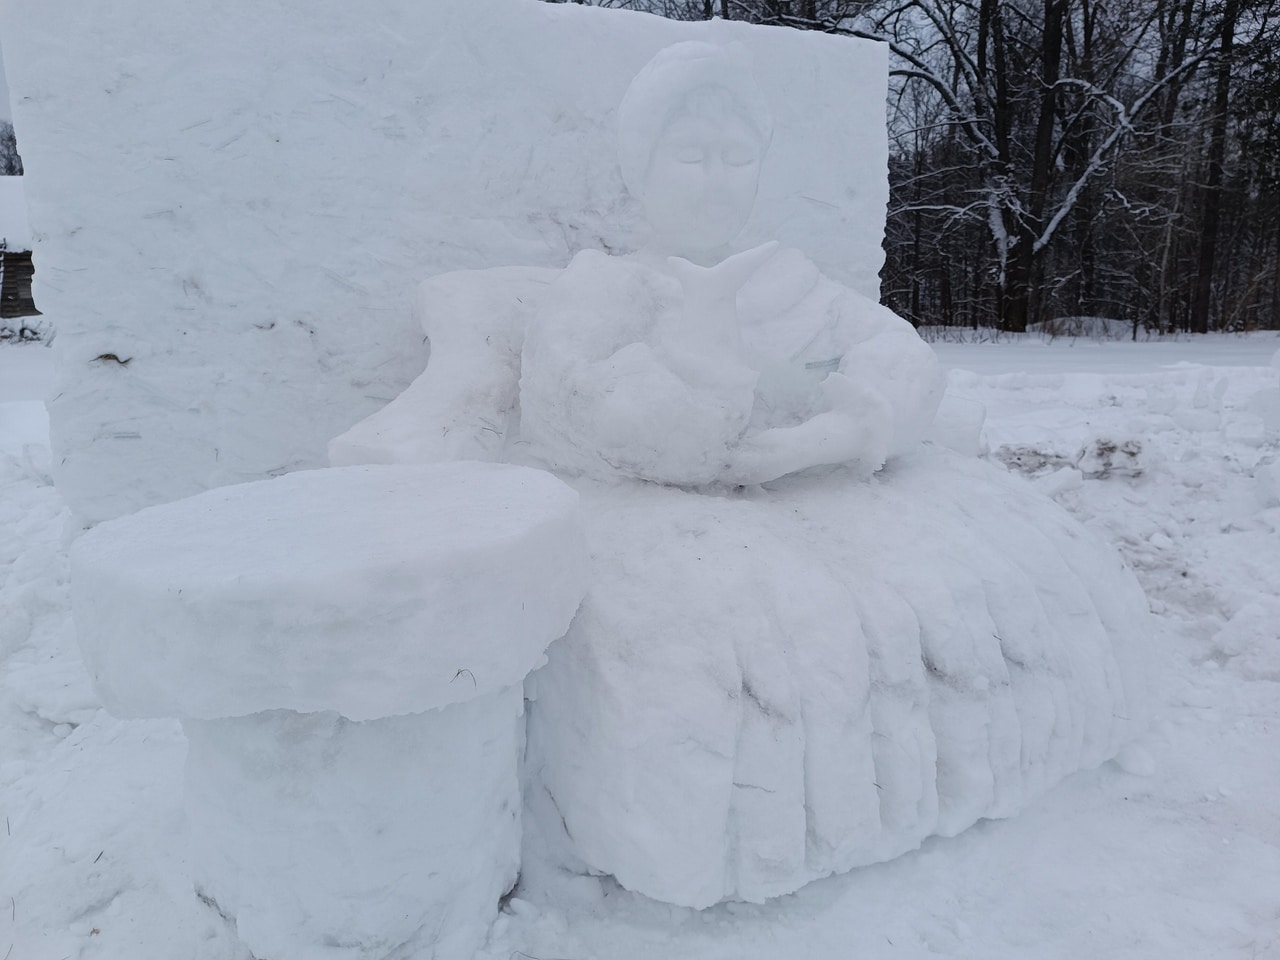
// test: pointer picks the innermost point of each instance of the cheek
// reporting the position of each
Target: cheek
(743, 181)
(699, 185)
(669, 185)
(693, 180)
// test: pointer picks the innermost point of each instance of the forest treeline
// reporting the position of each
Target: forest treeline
(1052, 159)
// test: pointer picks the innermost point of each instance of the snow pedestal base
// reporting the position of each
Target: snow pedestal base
(346, 649)
(312, 829)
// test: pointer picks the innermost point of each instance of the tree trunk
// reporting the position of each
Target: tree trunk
(948, 307)
(1212, 203)
(1015, 311)
(1043, 159)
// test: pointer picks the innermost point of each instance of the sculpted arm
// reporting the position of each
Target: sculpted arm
(879, 402)
(887, 358)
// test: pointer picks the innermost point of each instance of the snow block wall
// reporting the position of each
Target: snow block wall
(15, 231)
(233, 203)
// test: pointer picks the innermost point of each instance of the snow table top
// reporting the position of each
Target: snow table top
(369, 591)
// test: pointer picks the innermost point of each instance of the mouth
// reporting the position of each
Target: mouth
(718, 209)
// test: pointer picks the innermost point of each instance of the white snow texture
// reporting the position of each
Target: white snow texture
(325, 838)
(369, 591)
(284, 612)
(237, 203)
(767, 685)
(1178, 862)
(763, 686)
(761, 691)
(611, 384)
(15, 229)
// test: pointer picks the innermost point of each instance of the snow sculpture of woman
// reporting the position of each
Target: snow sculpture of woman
(795, 658)
(685, 364)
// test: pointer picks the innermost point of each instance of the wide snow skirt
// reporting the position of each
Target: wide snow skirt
(770, 687)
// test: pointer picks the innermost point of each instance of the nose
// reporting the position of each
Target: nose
(713, 164)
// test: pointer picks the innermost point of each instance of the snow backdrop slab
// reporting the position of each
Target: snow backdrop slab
(369, 591)
(15, 228)
(233, 204)
(26, 371)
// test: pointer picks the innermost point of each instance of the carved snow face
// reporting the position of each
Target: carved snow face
(692, 131)
(703, 174)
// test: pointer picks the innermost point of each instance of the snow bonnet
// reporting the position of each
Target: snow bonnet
(661, 91)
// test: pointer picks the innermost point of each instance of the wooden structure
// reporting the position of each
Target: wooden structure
(15, 285)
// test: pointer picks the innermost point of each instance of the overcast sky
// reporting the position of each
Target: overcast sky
(5, 110)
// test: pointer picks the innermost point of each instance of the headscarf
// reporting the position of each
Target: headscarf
(659, 92)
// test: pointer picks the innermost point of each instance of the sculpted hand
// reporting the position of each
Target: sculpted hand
(707, 339)
(867, 419)
(857, 428)
(710, 293)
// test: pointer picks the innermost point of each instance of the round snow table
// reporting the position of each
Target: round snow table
(346, 649)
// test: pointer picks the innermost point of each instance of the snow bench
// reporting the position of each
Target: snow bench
(346, 650)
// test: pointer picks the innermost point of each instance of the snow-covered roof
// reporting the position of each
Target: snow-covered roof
(15, 229)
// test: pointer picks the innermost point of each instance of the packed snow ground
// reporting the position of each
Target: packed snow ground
(1171, 449)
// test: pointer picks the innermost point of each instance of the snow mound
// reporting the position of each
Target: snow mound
(371, 591)
(1249, 644)
(764, 690)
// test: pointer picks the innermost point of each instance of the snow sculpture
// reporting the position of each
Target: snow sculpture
(808, 736)
(345, 649)
(810, 642)
(683, 364)
(287, 211)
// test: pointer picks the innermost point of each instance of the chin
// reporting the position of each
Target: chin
(712, 239)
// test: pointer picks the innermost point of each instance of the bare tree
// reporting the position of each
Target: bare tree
(10, 162)
(1059, 157)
